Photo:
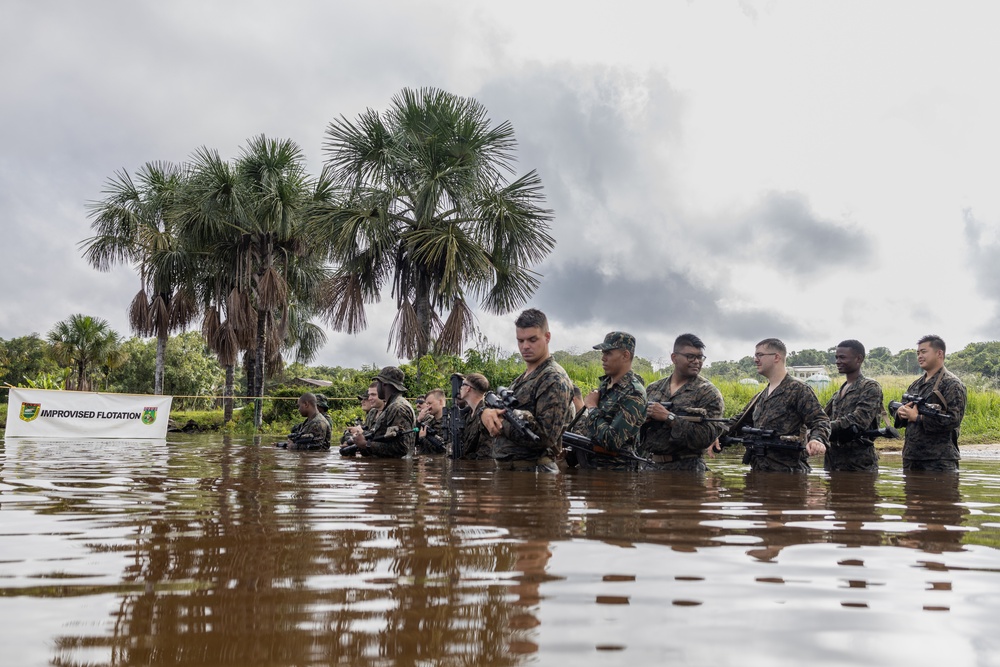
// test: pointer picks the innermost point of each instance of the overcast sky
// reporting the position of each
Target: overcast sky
(808, 170)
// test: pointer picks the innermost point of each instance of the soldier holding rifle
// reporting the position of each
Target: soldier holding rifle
(853, 410)
(676, 437)
(616, 409)
(543, 393)
(392, 434)
(785, 409)
(931, 412)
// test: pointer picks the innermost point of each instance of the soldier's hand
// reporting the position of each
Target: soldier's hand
(493, 420)
(815, 448)
(713, 449)
(657, 412)
(909, 412)
(591, 399)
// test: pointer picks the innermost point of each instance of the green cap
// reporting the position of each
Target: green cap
(617, 340)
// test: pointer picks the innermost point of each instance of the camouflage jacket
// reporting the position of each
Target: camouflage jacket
(475, 437)
(436, 439)
(858, 405)
(614, 424)
(682, 438)
(546, 395)
(395, 423)
(313, 433)
(790, 409)
(930, 437)
(370, 418)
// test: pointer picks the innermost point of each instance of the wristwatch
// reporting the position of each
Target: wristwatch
(671, 417)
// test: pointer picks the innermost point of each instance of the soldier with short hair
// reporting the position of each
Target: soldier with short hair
(932, 439)
(674, 438)
(314, 432)
(544, 393)
(855, 408)
(787, 406)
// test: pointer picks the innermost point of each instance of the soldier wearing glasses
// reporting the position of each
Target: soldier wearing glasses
(670, 437)
(789, 407)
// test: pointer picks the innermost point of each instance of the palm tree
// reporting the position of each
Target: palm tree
(134, 224)
(417, 198)
(247, 216)
(83, 343)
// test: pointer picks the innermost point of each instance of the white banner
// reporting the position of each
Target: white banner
(42, 413)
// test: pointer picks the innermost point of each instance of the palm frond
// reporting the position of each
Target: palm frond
(457, 328)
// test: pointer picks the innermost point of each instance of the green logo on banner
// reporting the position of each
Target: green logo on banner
(148, 416)
(30, 410)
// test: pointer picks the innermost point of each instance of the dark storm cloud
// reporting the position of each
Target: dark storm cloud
(661, 301)
(595, 135)
(782, 230)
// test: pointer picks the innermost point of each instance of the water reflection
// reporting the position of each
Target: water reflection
(212, 551)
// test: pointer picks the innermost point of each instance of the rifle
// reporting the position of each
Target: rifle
(507, 402)
(437, 444)
(350, 449)
(455, 418)
(698, 415)
(758, 440)
(306, 441)
(573, 441)
(923, 407)
(855, 432)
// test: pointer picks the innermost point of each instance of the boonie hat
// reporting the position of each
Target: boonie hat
(392, 376)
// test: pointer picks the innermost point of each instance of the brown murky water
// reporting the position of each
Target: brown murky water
(217, 551)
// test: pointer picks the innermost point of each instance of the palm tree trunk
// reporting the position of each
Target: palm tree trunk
(259, 369)
(161, 359)
(227, 395)
(422, 306)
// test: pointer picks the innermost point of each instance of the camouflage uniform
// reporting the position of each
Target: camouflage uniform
(318, 428)
(436, 440)
(547, 396)
(395, 421)
(680, 444)
(614, 424)
(858, 405)
(370, 418)
(475, 437)
(932, 442)
(791, 408)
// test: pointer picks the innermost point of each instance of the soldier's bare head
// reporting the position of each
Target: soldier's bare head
(849, 356)
(930, 353)
(687, 357)
(769, 357)
(533, 337)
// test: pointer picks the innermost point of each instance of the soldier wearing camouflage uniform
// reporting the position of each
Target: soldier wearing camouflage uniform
(372, 405)
(475, 437)
(314, 432)
(855, 408)
(932, 441)
(788, 406)
(674, 439)
(433, 437)
(544, 394)
(392, 434)
(616, 409)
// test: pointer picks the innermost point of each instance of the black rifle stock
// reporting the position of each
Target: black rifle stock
(455, 417)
